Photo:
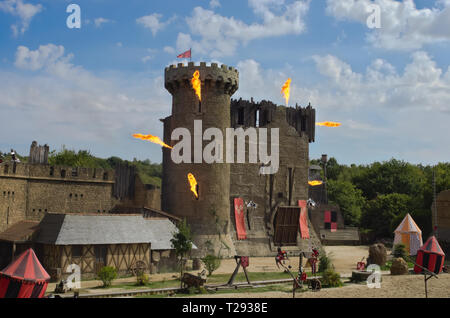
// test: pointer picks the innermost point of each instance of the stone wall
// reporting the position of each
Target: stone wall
(443, 217)
(163, 261)
(208, 216)
(211, 216)
(271, 191)
(145, 195)
(31, 190)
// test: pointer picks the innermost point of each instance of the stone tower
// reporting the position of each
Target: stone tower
(209, 215)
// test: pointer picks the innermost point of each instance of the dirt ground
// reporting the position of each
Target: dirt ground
(409, 286)
(344, 259)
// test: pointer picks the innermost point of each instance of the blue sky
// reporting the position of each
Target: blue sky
(93, 87)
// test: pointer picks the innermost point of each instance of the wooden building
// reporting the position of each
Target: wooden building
(94, 241)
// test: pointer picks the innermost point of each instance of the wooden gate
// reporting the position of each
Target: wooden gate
(286, 226)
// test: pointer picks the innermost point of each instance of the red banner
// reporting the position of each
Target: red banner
(304, 230)
(184, 55)
(327, 217)
(239, 218)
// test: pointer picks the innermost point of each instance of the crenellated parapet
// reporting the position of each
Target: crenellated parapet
(225, 77)
(246, 113)
(57, 173)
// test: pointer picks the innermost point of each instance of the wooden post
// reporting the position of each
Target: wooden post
(246, 275)
(231, 280)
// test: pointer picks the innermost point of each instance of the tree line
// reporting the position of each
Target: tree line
(376, 197)
(150, 173)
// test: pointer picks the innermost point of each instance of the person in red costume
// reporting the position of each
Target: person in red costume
(313, 261)
(281, 257)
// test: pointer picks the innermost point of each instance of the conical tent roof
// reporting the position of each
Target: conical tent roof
(26, 267)
(432, 246)
(408, 226)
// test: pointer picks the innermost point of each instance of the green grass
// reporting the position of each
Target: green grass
(240, 277)
(213, 279)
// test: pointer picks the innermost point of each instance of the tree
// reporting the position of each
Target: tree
(349, 198)
(333, 169)
(182, 243)
(211, 262)
(382, 212)
(392, 176)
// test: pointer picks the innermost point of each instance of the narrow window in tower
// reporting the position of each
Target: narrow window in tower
(74, 172)
(291, 183)
(105, 176)
(303, 121)
(63, 173)
(199, 106)
(257, 113)
(241, 116)
(52, 171)
(197, 188)
(14, 167)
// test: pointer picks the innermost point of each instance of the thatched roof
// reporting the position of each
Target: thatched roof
(79, 229)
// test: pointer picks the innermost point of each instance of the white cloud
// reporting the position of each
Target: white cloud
(119, 44)
(385, 112)
(403, 26)
(220, 36)
(145, 59)
(422, 85)
(77, 107)
(169, 50)
(99, 21)
(44, 56)
(214, 4)
(24, 11)
(154, 23)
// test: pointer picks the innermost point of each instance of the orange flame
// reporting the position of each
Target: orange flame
(286, 90)
(153, 139)
(197, 85)
(315, 183)
(329, 124)
(193, 184)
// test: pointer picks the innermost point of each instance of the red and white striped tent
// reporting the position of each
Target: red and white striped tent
(409, 234)
(24, 278)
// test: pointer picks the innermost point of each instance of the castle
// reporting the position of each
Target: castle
(30, 191)
(211, 215)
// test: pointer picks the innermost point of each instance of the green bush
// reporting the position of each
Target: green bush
(324, 263)
(107, 274)
(330, 278)
(142, 279)
(212, 263)
(400, 251)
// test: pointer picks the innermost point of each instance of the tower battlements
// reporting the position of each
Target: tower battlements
(223, 77)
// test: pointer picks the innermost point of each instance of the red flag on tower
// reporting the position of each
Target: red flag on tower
(185, 55)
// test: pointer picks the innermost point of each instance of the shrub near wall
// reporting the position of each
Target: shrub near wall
(107, 274)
